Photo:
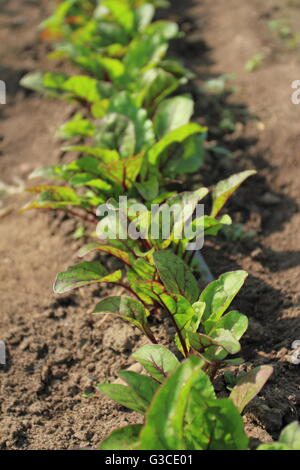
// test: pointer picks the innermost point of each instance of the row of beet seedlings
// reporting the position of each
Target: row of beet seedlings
(135, 143)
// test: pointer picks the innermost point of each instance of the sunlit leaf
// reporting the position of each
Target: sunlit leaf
(122, 439)
(172, 114)
(219, 294)
(124, 256)
(124, 395)
(127, 308)
(249, 386)
(158, 361)
(176, 275)
(82, 274)
(145, 387)
(176, 136)
(225, 189)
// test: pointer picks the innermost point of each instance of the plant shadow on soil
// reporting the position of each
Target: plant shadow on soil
(270, 333)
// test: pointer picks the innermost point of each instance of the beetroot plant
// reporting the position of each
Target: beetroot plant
(134, 140)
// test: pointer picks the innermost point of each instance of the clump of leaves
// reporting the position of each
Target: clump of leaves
(141, 221)
(280, 27)
(77, 21)
(139, 140)
(181, 409)
(167, 285)
(129, 154)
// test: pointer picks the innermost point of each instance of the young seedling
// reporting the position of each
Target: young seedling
(181, 409)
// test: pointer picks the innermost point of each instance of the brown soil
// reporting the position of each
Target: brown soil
(57, 352)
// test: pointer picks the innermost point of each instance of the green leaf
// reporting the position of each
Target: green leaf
(127, 308)
(145, 387)
(84, 87)
(274, 446)
(149, 190)
(225, 189)
(290, 436)
(164, 429)
(176, 275)
(82, 274)
(249, 386)
(76, 127)
(182, 311)
(79, 232)
(145, 50)
(122, 439)
(104, 155)
(140, 280)
(55, 22)
(121, 13)
(227, 333)
(289, 439)
(209, 225)
(123, 395)
(221, 426)
(176, 136)
(226, 340)
(219, 421)
(219, 294)
(222, 338)
(53, 197)
(189, 159)
(144, 270)
(86, 179)
(116, 132)
(99, 108)
(184, 205)
(123, 172)
(60, 85)
(158, 361)
(34, 81)
(122, 103)
(114, 68)
(167, 29)
(235, 322)
(176, 68)
(198, 308)
(124, 256)
(57, 193)
(155, 85)
(172, 114)
(185, 415)
(88, 164)
(50, 83)
(144, 15)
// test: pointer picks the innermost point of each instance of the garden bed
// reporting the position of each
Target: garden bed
(56, 351)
